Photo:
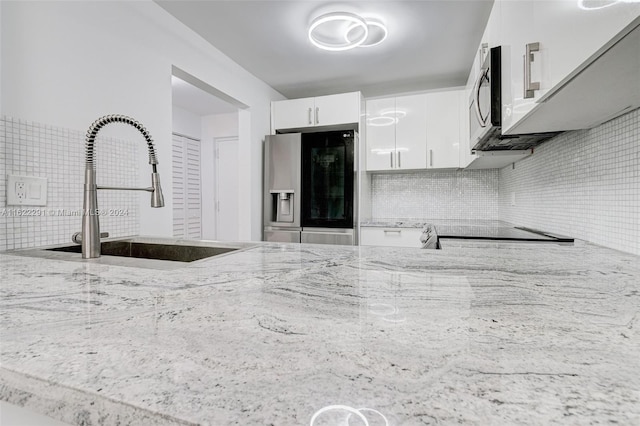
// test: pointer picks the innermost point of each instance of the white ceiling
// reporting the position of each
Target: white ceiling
(431, 43)
(197, 101)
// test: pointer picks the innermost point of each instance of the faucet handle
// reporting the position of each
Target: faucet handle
(77, 237)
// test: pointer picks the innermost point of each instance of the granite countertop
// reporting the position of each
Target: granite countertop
(274, 334)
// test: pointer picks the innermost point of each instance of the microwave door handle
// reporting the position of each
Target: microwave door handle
(476, 106)
(481, 120)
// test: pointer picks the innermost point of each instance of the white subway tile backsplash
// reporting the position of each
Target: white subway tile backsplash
(34, 149)
(435, 194)
(585, 184)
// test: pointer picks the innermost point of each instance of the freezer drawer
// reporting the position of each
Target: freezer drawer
(282, 236)
(327, 237)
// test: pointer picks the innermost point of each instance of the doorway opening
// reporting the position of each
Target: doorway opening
(205, 145)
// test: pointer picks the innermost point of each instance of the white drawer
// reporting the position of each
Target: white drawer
(390, 237)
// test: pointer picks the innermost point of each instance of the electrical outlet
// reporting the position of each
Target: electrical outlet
(26, 191)
(21, 190)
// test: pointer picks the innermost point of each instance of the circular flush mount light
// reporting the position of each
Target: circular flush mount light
(327, 31)
(377, 33)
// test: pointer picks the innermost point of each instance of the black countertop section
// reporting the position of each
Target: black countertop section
(505, 233)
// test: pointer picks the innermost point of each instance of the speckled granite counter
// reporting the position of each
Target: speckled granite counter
(508, 334)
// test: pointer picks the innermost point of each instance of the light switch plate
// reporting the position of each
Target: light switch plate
(26, 191)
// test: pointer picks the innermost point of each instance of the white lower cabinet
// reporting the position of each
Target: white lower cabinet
(390, 237)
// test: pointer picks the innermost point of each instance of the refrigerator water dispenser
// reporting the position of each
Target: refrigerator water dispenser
(283, 206)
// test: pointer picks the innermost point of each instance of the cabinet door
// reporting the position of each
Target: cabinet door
(465, 157)
(294, 113)
(337, 109)
(443, 129)
(517, 29)
(380, 134)
(411, 132)
(567, 35)
(390, 237)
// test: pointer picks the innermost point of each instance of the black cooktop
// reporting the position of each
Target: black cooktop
(501, 233)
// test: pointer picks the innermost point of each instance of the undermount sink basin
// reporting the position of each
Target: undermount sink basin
(177, 253)
(142, 252)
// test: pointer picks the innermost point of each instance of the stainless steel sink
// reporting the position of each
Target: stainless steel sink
(177, 253)
(142, 252)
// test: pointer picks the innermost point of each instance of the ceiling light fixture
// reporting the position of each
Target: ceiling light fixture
(323, 29)
(377, 33)
(338, 31)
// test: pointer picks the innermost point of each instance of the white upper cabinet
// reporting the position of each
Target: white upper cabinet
(443, 129)
(380, 134)
(396, 133)
(414, 132)
(293, 113)
(411, 132)
(561, 37)
(328, 110)
(337, 109)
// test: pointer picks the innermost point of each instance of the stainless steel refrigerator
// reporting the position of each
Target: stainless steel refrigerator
(309, 187)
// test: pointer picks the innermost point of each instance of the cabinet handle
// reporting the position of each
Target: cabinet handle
(530, 86)
(395, 231)
(309, 116)
(317, 115)
(399, 158)
(391, 158)
(431, 157)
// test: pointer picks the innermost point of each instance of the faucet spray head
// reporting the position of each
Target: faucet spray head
(157, 199)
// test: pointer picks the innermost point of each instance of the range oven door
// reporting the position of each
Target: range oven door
(328, 179)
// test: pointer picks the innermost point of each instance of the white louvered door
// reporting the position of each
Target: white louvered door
(187, 209)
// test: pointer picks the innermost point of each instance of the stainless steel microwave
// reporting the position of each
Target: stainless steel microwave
(485, 102)
(485, 111)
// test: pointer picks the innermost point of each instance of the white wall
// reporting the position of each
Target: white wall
(220, 125)
(186, 123)
(68, 63)
(213, 126)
